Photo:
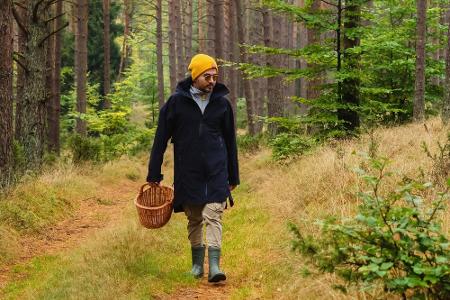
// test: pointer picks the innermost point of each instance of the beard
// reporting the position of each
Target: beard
(207, 89)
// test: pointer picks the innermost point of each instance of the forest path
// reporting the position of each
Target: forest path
(137, 263)
(95, 212)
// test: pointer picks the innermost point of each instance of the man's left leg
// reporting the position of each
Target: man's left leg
(212, 216)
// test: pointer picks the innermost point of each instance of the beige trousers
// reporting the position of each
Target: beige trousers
(210, 215)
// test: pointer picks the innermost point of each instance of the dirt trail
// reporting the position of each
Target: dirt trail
(95, 212)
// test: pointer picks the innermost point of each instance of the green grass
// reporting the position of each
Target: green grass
(124, 262)
(129, 262)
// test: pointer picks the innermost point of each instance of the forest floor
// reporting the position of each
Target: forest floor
(99, 251)
(72, 231)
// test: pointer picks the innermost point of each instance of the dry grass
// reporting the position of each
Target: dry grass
(131, 263)
(324, 183)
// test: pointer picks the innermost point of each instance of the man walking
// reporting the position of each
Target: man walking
(199, 120)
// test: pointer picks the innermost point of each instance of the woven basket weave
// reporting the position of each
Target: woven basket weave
(154, 205)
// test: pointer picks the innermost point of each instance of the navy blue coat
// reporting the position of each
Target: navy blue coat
(205, 152)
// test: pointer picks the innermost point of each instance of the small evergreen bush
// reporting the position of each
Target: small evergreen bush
(248, 143)
(286, 146)
(85, 148)
(395, 241)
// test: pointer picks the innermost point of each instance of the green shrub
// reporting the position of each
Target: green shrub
(248, 143)
(85, 148)
(287, 145)
(395, 240)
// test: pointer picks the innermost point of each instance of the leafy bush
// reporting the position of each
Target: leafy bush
(248, 143)
(85, 148)
(395, 240)
(287, 145)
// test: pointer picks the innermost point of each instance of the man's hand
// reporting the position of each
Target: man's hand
(232, 187)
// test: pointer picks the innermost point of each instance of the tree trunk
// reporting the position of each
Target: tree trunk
(350, 86)
(6, 89)
(247, 88)
(181, 69)
(258, 85)
(187, 30)
(50, 80)
(56, 106)
(419, 95)
(211, 20)
(159, 53)
(272, 36)
(172, 47)
(20, 80)
(126, 35)
(81, 63)
(234, 56)
(219, 33)
(312, 86)
(201, 32)
(446, 104)
(33, 107)
(107, 54)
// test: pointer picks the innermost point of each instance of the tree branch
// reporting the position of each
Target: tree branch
(20, 5)
(19, 21)
(54, 18)
(35, 10)
(329, 3)
(52, 33)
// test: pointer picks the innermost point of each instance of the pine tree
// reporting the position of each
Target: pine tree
(6, 99)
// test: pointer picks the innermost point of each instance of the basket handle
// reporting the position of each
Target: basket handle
(149, 184)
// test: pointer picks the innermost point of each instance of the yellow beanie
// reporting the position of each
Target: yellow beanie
(200, 63)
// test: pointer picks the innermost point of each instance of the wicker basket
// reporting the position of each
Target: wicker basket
(154, 205)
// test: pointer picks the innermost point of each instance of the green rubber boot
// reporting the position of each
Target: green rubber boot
(198, 258)
(215, 275)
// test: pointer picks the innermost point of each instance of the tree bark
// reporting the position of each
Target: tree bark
(211, 20)
(181, 69)
(81, 63)
(259, 90)
(275, 88)
(219, 33)
(54, 141)
(446, 103)
(247, 88)
(6, 90)
(312, 86)
(233, 56)
(201, 32)
(50, 80)
(126, 34)
(187, 30)
(172, 47)
(33, 107)
(107, 54)
(159, 53)
(419, 95)
(20, 80)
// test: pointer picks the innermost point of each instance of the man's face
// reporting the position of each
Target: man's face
(206, 81)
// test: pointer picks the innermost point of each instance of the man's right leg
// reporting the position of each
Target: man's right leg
(195, 235)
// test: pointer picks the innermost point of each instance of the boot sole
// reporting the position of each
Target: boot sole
(218, 277)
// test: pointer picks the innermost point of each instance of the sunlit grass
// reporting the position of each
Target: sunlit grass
(129, 262)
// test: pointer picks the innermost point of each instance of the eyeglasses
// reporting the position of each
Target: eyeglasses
(209, 76)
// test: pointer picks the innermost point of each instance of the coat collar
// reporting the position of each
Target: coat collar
(184, 86)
